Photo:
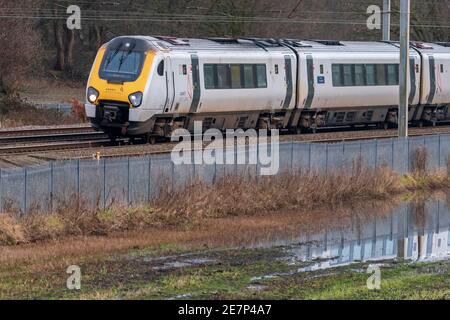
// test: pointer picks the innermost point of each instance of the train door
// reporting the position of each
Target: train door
(170, 84)
(195, 83)
(289, 82)
(432, 68)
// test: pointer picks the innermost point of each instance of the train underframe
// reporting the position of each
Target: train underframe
(115, 122)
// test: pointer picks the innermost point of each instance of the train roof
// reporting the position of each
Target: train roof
(270, 44)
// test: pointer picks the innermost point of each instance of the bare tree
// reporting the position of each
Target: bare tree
(20, 44)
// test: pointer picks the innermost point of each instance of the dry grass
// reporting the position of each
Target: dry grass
(15, 112)
(233, 196)
(230, 196)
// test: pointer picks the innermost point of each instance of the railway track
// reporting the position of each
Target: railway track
(45, 139)
(44, 131)
(80, 139)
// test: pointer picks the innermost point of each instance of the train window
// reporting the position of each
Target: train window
(348, 75)
(321, 69)
(392, 73)
(359, 75)
(276, 69)
(442, 68)
(236, 76)
(370, 75)
(249, 78)
(209, 76)
(337, 75)
(161, 68)
(223, 79)
(261, 76)
(381, 75)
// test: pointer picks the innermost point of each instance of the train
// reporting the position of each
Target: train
(148, 86)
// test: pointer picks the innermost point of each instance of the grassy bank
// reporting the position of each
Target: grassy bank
(224, 274)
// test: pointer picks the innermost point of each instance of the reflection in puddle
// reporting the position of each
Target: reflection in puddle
(414, 231)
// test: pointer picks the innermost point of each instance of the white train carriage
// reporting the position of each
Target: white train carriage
(349, 83)
(149, 86)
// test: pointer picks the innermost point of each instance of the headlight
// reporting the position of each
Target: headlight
(92, 95)
(135, 99)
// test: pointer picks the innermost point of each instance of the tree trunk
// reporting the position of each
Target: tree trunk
(68, 49)
(59, 44)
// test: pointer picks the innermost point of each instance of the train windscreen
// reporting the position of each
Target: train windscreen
(121, 65)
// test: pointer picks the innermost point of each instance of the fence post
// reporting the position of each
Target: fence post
(215, 172)
(257, 160)
(309, 156)
(78, 179)
(392, 153)
(376, 153)
(25, 191)
(51, 186)
(149, 177)
(439, 151)
(1, 190)
(104, 183)
(292, 154)
(173, 175)
(407, 150)
(128, 182)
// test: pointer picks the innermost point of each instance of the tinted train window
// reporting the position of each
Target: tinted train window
(359, 75)
(381, 74)
(261, 76)
(393, 73)
(337, 75)
(351, 75)
(235, 76)
(161, 68)
(223, 82)
(348, 75)
(371, 78)
(249, 78)
(209, 76)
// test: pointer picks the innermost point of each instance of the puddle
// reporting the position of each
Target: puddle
(414, 231)
(177, 264)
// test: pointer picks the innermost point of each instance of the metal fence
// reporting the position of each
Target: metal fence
(64, 108)
(135, 180)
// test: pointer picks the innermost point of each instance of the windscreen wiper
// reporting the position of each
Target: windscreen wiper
(125, 55)
(112, 56)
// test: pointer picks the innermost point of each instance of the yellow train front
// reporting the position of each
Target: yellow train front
(119, 100)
